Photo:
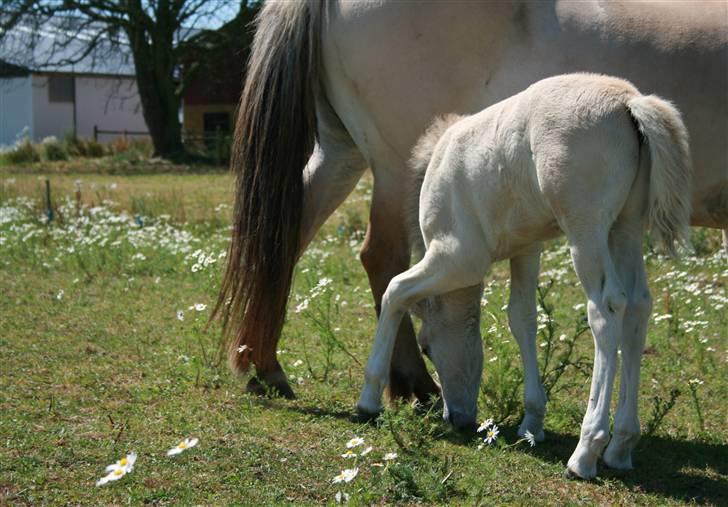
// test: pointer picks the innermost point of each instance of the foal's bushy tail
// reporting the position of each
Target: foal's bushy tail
(668, 208)
(274, 138)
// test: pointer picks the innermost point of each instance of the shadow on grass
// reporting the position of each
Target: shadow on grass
(677, 469)
(681, 470)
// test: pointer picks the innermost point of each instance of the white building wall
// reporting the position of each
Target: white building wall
(49, 118)
(16, 108)
(111, 103)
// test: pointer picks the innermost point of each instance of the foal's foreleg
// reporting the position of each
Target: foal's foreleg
(626, 249)
(428, 277)
(522, 320)
(385, 254)
(605, 309)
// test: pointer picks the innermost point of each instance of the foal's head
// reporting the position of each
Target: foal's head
(450, 337)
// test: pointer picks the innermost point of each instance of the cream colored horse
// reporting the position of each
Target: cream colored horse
(582, 154)
(334, 87)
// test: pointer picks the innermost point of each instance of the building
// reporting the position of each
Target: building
(43, 94)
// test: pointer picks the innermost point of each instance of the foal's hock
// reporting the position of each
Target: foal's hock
(585, 155)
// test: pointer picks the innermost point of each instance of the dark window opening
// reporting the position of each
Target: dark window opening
(214, 123)
(61, 89)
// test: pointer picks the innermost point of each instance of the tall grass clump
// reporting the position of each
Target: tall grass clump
(52, 149)
(24, 152)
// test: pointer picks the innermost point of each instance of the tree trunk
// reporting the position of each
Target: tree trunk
(154, 63)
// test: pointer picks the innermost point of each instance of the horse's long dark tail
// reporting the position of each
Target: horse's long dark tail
(274, 138)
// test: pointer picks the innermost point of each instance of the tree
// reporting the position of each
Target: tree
(161, 35)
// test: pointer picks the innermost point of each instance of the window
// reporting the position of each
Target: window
(61, 89)
(216, 122)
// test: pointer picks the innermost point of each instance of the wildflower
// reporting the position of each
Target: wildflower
(60, 294)
(117, 470)
(485, 425)
(346, 475)
(491, 435)
(366, 451)
(530, 438)
(390, 456)
(187, 443)
(341, 497)
(562, 338)
(297, 363)
(695, 381)
(349, 454)
(195, 268)
(180, 315)
(578, 307)
(354, 442)
(200, 307)
(242, 348)
(302, 306)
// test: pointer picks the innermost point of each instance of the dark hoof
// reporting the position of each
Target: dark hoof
(271, 390)
(363, 417)
(568, 474)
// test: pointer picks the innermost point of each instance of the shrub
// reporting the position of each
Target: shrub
(52, 149)
(22, 153)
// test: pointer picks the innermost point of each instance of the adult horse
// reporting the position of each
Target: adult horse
(336, 87)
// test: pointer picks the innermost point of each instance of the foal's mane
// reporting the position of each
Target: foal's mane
(418, 164)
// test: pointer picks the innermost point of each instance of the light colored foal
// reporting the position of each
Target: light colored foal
(585, 155)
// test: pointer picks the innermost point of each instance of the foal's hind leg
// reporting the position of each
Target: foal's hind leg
(522, 320)
(606, 304)
(329, 177)
(626, 249)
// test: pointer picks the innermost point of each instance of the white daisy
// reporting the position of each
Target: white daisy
(366, 451)
(354, 442)
(530, 438)
(349, 454)
(491, 435)
(390, 456)
(200, 307)
(346, 475)
(485, 425)
(341, 497)
(117, 470)
(182, 446)
(60, 294)
(242, 348)
(180, 315)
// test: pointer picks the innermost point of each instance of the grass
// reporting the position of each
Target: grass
(96, 363)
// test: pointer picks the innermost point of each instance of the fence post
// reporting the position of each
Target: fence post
(96, 133)
(49, 208)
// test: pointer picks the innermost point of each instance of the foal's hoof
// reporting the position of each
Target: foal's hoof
(279, 389)
(572, 476)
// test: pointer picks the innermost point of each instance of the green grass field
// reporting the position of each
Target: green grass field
(103, 351)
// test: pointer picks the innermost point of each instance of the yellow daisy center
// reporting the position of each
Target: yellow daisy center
(182, 445)
(123, 462)
(118, 471)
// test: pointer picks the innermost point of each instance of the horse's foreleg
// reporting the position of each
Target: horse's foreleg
(605, 309)
(385, 254)
(522, 320)
(329, 177)
(626, 249)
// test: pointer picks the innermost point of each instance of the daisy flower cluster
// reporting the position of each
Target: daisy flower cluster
(356, 449)
(125, 465)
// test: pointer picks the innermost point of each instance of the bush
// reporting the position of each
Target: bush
(23, 152)
(52, 149)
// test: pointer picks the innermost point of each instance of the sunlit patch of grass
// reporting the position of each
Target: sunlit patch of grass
(104, 350)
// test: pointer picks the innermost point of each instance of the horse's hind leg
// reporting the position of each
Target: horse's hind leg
(626, 249)
(605, 309)
(329, 177)
(522, 320)
(385, 254)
